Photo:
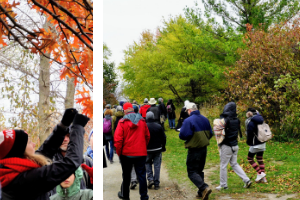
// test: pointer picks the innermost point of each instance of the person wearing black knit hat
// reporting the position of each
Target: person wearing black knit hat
(28, 174)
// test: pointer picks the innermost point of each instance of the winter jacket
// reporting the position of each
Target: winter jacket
(252, 130)
(73, 192)
(132, 136)
(156, 111)
(163, 109)
(143, 110)
(115, 120)
(196, 131)
(35, 184)
(183, 114)
(157, 141)
(172, 114)
(232, 126)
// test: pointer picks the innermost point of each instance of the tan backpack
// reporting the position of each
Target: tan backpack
(263, 132)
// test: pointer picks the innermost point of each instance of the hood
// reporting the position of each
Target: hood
(133, 117)
(119, 114)
(107, 117)
(229, 110)
(186, 102)
(257, 119)
(74, 188)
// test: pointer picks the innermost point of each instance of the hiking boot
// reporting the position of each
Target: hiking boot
(206, 193)
(248, 184)
(121, 197)
(133, 185)
(150, 184)
(156, 187)
(198, 196)
(221, 188)
(260, 176)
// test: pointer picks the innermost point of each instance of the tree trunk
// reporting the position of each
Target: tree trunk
(44, 99)
(70, 95)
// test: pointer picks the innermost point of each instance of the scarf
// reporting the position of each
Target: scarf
(14, 167)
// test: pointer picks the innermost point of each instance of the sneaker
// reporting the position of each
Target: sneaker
(263, 180)
(111, 161)
(248, 184)
(150, 184)
(133, 185)
(260, 176)
(206, 193)
(121, 197)
(156, 187)
(221, 188)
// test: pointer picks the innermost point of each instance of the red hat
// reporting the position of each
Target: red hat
(127, 105)
(13, 143)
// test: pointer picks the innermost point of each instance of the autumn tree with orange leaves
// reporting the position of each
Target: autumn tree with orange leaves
(68, 42)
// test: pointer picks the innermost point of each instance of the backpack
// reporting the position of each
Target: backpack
(116, 122)
(169, 108)
(263, 132)
(106, 126)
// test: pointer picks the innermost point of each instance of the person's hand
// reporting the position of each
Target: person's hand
(89, 170)
(68, 116)
(81, 120)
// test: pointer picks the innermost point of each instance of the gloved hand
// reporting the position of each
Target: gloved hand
(89, 170)
(68, 116)
(81, 120)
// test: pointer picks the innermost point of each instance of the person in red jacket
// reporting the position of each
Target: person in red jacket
(144, 108)
(131, 139)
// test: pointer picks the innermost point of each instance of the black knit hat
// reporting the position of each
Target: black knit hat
(19, 146)
(251, 110)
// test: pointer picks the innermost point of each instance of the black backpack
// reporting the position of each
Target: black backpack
(116, 122)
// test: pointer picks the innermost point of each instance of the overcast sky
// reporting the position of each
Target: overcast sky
(125, 20)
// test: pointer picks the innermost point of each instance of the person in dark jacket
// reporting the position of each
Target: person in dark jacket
(183, 115)
(155, 147)
(256, 147)
(171, 114)
(116, 118)
(155, 109)
(196, 131)
(25, 174)
(229, 147)
(163, 110)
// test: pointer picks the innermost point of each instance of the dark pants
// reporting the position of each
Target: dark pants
(195, 163)
(140, 169)
(155, 160)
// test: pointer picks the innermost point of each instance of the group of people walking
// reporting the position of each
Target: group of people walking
(139, 140)
(57, 170)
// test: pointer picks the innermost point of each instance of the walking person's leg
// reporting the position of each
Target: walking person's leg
(126, 164)
(225, 156)
(133, 179)
(140, 169)
(107, 150)
(237, 168)
(260, 173)
(111, 154)
(259, 158)
(157, 164)
(173, 123)
(149, 171)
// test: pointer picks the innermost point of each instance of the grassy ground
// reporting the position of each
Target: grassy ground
(282, 161)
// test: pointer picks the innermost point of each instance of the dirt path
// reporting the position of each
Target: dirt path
(170, 190)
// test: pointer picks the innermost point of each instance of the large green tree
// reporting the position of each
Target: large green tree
(238, 13)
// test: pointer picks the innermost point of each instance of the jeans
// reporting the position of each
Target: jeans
(155, 159)
(172, 123)
(110, 153)
(140, 169)
(229, 155)
(195, 163)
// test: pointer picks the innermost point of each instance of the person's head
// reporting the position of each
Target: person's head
(16, 143)
(135, 108)
(91, 139)
(191, 107)
(145, 100)
(64, 145)
(251, 112)
(134, 102)
(160, 100)
(150, 116)
(108, 112)
(127, 107)
(71, 184)
(152, 101)
(119, 108)
(108, 106)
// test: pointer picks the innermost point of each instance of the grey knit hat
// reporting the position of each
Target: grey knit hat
(145, 100)
(159, 100)
(149, 115)
(119, 108)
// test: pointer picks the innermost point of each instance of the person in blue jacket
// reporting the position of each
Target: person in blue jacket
(196, 131)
